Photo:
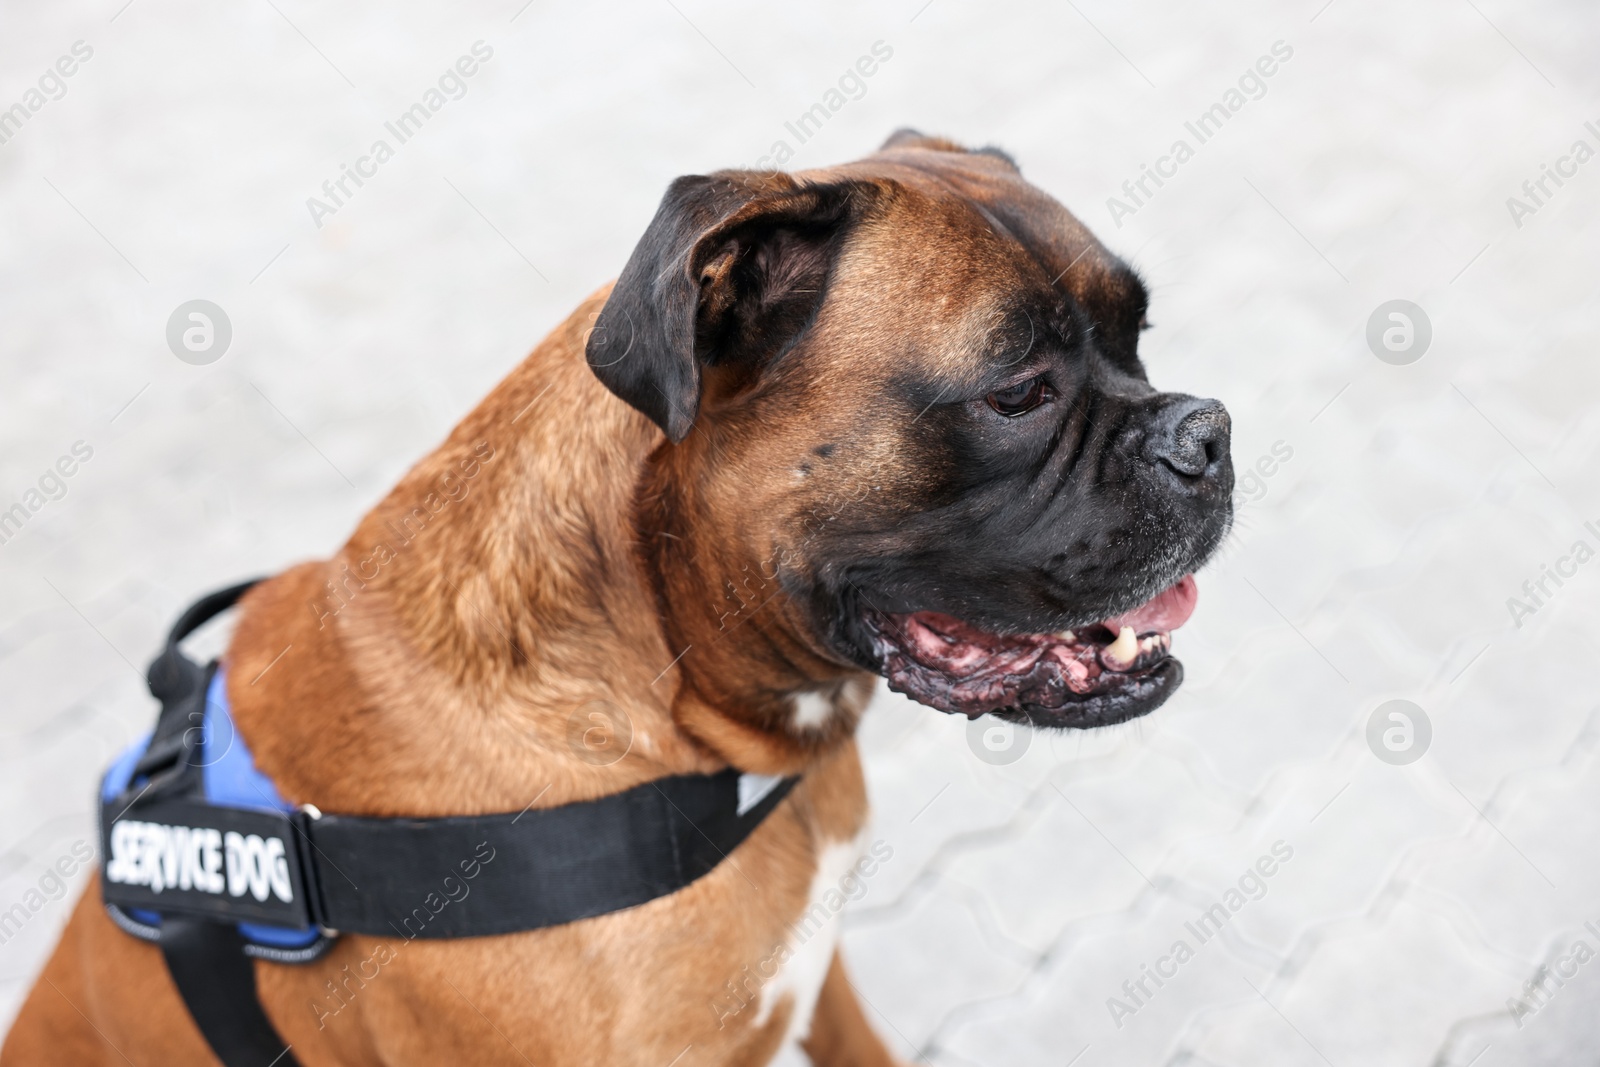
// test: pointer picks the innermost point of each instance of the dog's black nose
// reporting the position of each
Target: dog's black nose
(1190, 438)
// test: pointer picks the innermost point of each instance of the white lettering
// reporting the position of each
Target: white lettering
(202, 859)
(237, 879)
(255, 866)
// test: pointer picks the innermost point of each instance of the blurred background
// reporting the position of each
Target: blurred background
(1407, 482)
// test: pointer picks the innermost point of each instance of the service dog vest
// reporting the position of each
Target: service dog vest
(203, 855)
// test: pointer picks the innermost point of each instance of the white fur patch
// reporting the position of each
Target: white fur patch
(811, 940)
(811, 711)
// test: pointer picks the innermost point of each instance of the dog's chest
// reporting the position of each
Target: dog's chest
(811, 941)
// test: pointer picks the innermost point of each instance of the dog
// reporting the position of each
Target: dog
(886, 419)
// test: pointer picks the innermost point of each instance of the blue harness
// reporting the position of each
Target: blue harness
(229, 776)
(203, 856)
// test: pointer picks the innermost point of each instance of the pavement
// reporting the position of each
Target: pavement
(1408, 485)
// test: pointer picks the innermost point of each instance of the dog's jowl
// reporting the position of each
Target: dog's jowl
(885, 419)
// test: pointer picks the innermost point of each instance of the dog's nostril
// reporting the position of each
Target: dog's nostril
(1191, 437)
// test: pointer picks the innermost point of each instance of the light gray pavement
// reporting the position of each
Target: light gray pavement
(1373, 564)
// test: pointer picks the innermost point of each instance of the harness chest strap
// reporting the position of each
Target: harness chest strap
(203, 855)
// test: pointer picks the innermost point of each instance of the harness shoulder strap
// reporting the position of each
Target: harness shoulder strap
(168, 766)
(218, 984)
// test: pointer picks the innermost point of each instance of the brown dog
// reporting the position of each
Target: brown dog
(885, 417)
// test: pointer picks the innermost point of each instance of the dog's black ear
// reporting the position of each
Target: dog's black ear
(730, 270)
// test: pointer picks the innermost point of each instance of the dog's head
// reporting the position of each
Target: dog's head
(910, 432)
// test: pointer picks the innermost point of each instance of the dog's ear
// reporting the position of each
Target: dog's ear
(730, 271)
(906, 137)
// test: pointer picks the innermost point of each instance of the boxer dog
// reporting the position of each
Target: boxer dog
(886, 418)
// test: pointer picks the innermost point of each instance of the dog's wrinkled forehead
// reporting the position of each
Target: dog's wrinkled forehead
(931, 280)
(986, 255)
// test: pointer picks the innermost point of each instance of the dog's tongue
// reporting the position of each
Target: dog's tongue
(1166, 611)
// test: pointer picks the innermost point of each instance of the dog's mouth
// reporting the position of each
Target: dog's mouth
(1095, 675)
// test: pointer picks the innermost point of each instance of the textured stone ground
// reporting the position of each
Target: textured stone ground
(1374, 564)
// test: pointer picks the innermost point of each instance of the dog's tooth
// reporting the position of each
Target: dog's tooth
(1068, 636)
(1123, 650)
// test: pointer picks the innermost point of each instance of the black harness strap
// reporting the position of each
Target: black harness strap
(204, 867)
(218, 984)
(497, 874)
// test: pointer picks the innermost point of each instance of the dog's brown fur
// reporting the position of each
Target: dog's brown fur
(555, 552)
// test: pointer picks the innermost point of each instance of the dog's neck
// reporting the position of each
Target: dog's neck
(505, 620)
(755, 679)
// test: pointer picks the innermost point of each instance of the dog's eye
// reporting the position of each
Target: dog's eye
(1020, 398)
